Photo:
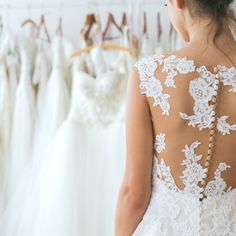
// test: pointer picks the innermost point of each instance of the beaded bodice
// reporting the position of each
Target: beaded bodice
(194, 120)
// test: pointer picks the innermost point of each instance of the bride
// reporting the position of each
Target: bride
(181, 131)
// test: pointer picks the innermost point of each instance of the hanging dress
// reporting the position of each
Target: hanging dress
(73, 195)
(40, 79)
(5, 126)
(23, 119)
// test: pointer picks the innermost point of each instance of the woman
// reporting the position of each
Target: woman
(181, 131)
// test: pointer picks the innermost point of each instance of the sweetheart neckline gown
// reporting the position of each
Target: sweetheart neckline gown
(73, 196)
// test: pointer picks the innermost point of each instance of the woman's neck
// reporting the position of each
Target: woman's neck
(204, 34)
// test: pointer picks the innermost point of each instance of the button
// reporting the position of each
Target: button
(204, 176)
(217, 76)
(208, 158)
(203, 182)
(212, 132)
(206, 170)
(212, 138)
(215, 69)
(207, 163)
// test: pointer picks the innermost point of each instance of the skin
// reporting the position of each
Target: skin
(136, 188)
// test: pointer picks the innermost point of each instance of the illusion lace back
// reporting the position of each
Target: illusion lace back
(181, 96)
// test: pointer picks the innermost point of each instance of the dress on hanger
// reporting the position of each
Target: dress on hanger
(73, 198)
(5, 126)
(189, 197)
(40, 78)
(20, 217)
(23, 119)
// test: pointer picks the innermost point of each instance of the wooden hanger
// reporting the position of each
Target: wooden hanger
(145, 23)
(133, 52)
(124, 21)
(1, 25)
(43, 25)
(110, 21)
(159, 27)
(59, 30)
(32, 23)
(89, 23)
(37, 27)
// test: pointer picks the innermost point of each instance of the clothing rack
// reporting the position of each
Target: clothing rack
(17, 6)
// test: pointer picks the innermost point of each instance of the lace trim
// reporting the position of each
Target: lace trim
(225, 127)
(202, 90)
(150, 85)
(172, 65)
(160, 143)
(228, 76)
(192, 174)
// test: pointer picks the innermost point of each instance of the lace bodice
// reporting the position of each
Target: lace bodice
(180, 94)
(97, 100)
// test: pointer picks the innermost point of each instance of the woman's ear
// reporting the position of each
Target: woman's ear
(180, 3)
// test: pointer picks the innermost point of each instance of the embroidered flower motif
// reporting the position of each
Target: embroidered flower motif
(228, 77)
(146, 67)
(224, 127)
(192, 174)
(160, 143)
(194, 171)
(185, 66)
(218, 185)
(173, 65)
(150, 85)
(200, 90)
(202, 118)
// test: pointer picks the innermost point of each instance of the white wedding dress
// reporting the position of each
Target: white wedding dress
(5, 124)
(179, 204)
(78, 196)
(23, 120)
(23, 207)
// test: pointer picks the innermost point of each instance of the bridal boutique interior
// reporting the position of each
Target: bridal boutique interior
(64, 68)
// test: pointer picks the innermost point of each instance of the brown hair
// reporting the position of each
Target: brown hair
(220, 12)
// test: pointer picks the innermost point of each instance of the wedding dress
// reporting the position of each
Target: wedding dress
(5, 124)
(73, 199)
(183, 201)
(23, 119)
(40, 78)
(22, 211)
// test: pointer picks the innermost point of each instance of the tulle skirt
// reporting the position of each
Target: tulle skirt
(76, 190)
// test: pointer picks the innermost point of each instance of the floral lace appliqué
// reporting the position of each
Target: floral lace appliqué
(202, 90)
(150, 85)
(172, 65)
(192, 174)
(228, 76)
(225, 127)
(160, 143)
(218, 185)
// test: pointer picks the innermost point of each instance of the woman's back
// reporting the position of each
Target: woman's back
(181, 94)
